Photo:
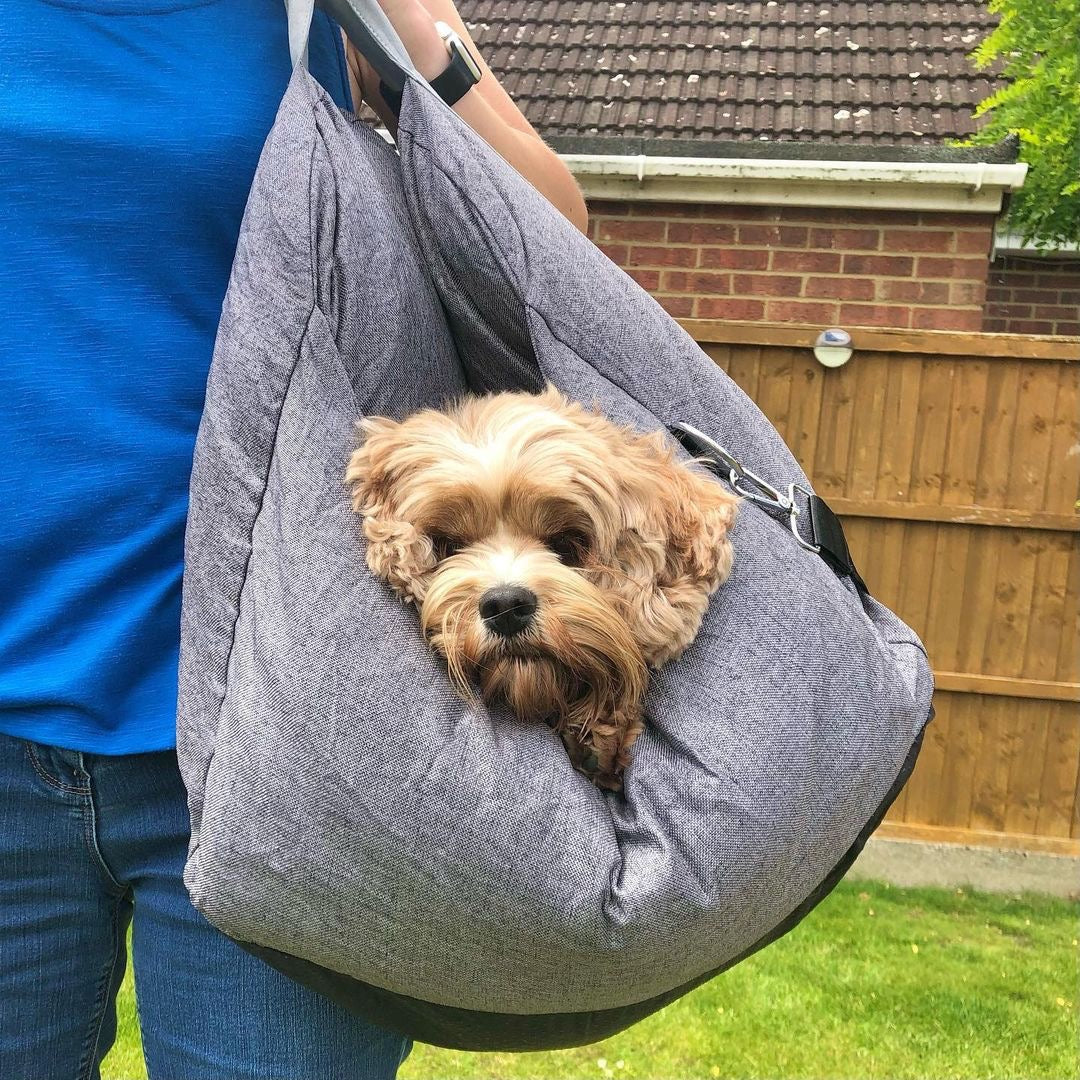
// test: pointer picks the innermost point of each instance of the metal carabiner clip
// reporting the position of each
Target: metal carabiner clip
(700, 445)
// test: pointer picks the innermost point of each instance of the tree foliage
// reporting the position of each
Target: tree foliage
(1038, 44)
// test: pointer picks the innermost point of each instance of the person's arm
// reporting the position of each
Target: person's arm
(486, 108)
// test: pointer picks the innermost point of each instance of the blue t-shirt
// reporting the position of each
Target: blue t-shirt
(129, 135)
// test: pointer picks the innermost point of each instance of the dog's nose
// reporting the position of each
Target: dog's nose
(507, 609)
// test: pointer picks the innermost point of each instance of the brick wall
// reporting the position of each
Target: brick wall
(826, 267)
(1033, 295)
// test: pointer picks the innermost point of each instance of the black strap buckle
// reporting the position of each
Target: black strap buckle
(826, 534)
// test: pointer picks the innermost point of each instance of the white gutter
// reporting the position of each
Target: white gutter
(976, 187)
(1014, 243)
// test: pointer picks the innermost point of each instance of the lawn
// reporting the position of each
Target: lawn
(877, 982)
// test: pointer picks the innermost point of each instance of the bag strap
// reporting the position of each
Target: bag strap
(369, 30)
(372, 34)
(299, 13)
(826, 534)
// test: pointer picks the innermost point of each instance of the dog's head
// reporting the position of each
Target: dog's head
(551, 554)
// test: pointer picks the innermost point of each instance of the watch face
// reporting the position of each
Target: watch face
(462, 50)
(457, 48)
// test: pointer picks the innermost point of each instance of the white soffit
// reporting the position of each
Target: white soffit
(967, 187)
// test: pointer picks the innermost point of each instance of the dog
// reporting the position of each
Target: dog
(553, 556)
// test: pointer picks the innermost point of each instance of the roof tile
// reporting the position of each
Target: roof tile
(782, 69)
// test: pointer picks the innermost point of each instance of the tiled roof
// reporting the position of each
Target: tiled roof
(870, 73)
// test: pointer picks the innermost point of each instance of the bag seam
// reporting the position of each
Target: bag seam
(245, 574)
(494, 250)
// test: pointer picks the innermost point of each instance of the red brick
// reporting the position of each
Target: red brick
(647, 279)
(617, 253)
(716, 308)
(656, 255)
(1021, 311)
(683, 232)
(892, 217)
(974, 269)
(1071, 329)
(666, 209)
(813, 262)
(939, 220)
(812, 214)
(1061, 277)
(735, 258)
(840, 288)
(875, 315)
(916, 240)
(608, 208)
(995, 326)
(969, 242)
(1032, 296)
(794, 235)
(919, 292)
(1015, 279)
(865, 218)
(766, 285)
(1055, 312)
(1010, 311)
(946, 319)
(696, 282)
(878, 265)
(759, 234)
(1068, 296)
(682, 307)
(745, 213)
(1017, 265)
(627, 229)
(866, 239)
(1026, 326)
(776, 235)
(971, 293)
(794, 311)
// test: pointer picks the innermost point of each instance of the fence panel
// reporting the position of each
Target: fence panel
(954, 462)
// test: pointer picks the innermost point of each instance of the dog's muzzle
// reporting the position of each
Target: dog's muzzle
(507, 609)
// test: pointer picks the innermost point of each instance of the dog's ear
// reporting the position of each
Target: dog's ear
(676, 546)
(699, 514)
(397, 551)
(369, 471)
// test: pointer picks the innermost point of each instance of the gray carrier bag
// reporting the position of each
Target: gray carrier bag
(437, 867)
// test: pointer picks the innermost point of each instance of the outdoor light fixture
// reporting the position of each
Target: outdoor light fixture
(833, 347)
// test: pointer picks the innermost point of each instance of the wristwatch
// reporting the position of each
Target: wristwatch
(460, 76)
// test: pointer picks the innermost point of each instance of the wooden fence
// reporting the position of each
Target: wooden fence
(954, 462)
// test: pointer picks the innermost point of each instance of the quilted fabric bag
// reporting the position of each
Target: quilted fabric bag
(437, 866)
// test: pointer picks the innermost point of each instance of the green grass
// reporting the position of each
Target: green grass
(877, 982)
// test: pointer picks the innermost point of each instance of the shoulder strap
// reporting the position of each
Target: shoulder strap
(299, 12)
(372, 34)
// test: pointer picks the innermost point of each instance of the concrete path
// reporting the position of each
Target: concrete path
(908, 862)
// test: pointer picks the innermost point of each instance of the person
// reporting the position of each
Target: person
(129, 134)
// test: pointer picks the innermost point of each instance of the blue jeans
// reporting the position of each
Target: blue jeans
(89, 844)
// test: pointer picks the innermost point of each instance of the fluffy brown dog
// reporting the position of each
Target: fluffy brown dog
(553, 556)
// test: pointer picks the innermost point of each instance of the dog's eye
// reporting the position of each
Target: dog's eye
(571, 546)
(444, 546)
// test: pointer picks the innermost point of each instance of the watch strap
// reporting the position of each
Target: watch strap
(455, 82)
(452, 85)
